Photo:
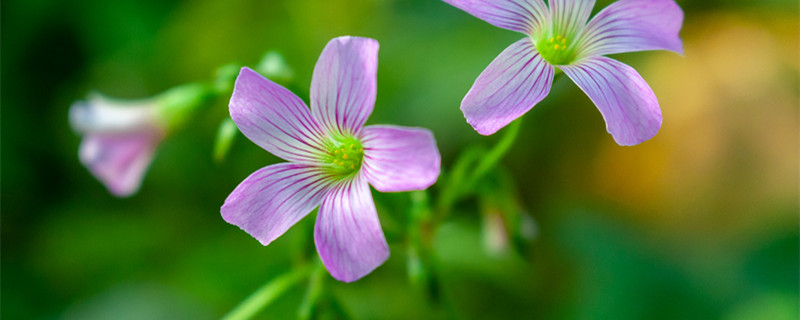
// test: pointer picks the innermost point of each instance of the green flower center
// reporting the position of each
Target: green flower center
(344, 155)
(556, 50)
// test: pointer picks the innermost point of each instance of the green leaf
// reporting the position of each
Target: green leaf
(225, 136)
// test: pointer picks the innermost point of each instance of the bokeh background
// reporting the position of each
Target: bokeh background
(701, 222)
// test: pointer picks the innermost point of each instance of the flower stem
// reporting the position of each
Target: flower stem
(454, 186)
(420, 229)
(419, 217)
(316, 286)
(463, 178)
(268, 293)
(495, 154)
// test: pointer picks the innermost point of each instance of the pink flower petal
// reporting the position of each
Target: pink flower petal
(627, 103)
(119, 161)
(510, 86)
(348, 233)
(344, 84)
(569, 16)
(275, 119)
(634, 25)
(400, 158)
(274, 198)
(526, 16)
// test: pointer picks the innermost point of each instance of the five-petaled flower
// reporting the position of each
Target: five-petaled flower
(559, 36)
(332, 158)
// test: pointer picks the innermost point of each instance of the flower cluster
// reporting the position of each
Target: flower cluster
(333, 158)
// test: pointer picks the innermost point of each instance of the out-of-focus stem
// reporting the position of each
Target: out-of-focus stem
(454, 185)
(315, 288)
(495, 154)
(463, 177)
(420, 229)
(268, 293)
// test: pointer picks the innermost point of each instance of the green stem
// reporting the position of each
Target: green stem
(420, 269)
(419, 217)
(460, 181)
(495, 154)
(453, 186)
(268, 293)
(313, 293)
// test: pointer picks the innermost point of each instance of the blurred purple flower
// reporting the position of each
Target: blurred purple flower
(119, 141)
(560, 37)
(120, 136)
(332, 158)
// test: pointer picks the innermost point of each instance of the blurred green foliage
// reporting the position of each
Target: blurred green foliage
(700, 222)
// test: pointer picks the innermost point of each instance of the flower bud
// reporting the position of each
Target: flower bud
(120, 136)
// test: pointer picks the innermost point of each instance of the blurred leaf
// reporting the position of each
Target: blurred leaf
(225, 135)
(274, 67)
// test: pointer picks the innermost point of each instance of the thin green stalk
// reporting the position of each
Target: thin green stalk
(316, 286)
(460, 181)
(463, 178)
(495, 154)
(453, 186)
(419, 217)
(420, 269)
(268, 293)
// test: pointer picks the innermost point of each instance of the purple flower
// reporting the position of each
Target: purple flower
(119, 141)
(560, 37)
(120, 136)
(332, 158)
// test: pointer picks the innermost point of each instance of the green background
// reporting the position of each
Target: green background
(700, 222)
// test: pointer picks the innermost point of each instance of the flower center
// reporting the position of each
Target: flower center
(556, 50)
(344, 155)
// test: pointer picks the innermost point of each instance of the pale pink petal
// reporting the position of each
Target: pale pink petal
(569, 16)
(344, 84)
(119, 161)
(634, 25)
(274, 198)
(275, 119)
(627, 103)
(400, 158)
(526, 16)
(348, 233)
(510, 86)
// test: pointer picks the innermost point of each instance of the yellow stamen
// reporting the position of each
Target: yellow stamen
(556, 47)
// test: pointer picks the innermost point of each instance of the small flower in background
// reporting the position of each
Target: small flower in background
(332, 158)
(560, 37)
(120, 136)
